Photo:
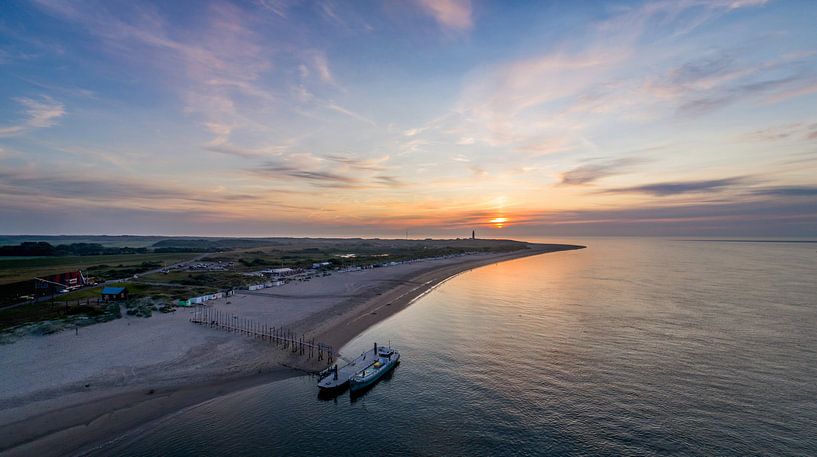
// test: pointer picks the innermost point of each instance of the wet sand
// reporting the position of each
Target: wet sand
(70, 393)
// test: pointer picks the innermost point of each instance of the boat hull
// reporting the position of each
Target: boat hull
(355, 385)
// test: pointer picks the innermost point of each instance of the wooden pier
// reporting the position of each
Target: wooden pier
(336, 377)
(282, 338)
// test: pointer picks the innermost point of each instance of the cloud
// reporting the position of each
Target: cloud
(551, 102)
(38, 114)
(730, 95)
(352, 114)
(222, 64)
(321, 178)
(788, 191)
(720, 78)
(359, 164)
(389, 181)
(321, 65)
(795, 130)
(675, 17)
(278, 7)
(342, 17)
(702, 72)
(112, 190)
(768, 217)
(679, 187)
(452, 14)
(597, 169)
(223, 146)
(342, 173)
(521, 104)
(478, 171)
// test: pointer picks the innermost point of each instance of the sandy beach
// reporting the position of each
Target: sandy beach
(65, 393)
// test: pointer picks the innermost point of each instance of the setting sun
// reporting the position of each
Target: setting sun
(499, 222)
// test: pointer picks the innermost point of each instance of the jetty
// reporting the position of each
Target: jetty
(281, 337)
(336, 377)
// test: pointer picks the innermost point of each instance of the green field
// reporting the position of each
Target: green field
(140, 290)
(210, 279)
(17, 269)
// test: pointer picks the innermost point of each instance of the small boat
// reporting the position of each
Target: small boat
(386, 360)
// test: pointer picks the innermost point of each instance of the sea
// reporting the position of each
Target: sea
(633, 346)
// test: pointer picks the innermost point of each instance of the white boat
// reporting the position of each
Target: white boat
(386, 360)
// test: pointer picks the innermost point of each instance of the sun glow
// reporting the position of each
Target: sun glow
(499, 222)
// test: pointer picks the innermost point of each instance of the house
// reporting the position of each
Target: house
(59, 283)
(114, 293)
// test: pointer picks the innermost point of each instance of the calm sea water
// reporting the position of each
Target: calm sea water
(629, 347)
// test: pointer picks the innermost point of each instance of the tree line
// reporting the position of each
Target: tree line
(43, 249)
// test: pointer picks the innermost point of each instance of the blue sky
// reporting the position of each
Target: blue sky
(371, 118)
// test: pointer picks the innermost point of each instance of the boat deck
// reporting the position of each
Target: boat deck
(347, 371)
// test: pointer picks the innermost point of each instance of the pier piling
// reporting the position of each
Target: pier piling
(280, 337)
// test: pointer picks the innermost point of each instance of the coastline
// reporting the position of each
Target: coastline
(79, 422)
(353, 318)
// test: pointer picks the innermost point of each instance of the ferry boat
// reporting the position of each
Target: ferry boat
(386, 360)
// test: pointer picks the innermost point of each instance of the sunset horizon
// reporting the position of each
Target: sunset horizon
(278, 118)
(408, 227)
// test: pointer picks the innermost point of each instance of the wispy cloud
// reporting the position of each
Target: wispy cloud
(788, 191)
(795, 131)
(360, 164)
(333, 171)
(38, 113)
(223, 146)
(117, 191)
(705, 103)
(279, 7)
(320, 178)
(773, 216)
(596, 169)
(360, 108)
(546, 103)
(342, 16)
(220, 67)
(454, 15)
(664, 189)
(352, 114)
(321, 65)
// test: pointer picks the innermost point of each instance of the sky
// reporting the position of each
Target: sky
(432, 117)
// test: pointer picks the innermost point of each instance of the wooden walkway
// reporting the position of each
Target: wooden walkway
(329, 380)
(281, 337)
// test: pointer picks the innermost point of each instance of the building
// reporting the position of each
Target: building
(114, 293)
(62, 282)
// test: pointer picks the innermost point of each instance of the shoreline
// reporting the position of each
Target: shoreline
(354, 319)
(78, 423)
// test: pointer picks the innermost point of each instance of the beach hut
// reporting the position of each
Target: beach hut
(114, 293)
